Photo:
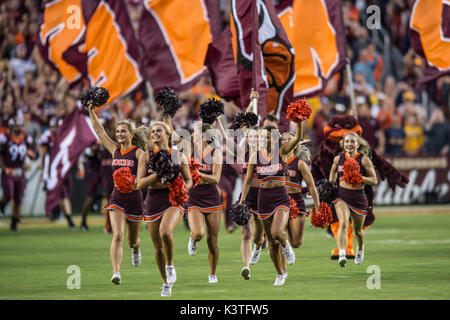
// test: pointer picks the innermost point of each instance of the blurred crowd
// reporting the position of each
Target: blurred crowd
(398, 117)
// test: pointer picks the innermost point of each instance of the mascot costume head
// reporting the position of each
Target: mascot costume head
(336, 129)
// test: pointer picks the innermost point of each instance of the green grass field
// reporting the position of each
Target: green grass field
(412, 251)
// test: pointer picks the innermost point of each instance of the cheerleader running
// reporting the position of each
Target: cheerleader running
(297, 170)
(124, 208)
(273, 200)
(205, 204)
(352, 200)
(161, 215)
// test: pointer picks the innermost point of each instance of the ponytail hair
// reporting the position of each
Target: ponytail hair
(140, 134)
(364, 147)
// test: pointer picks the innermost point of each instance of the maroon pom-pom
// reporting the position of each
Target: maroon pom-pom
(194, 166)
(124, 180)
(323, 218)
(299, 110)
(352, 176)
(294, 212)
(178, 192)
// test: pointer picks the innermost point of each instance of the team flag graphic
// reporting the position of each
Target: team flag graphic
(430, 36)
(174, 36)
(264, 57)
(91, 39)
(316, 31)
(72, 137)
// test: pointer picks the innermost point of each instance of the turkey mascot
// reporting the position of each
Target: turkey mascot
(335, 130)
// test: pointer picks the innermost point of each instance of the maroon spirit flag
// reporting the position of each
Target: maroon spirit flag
(316, 31)
(264, 57)
(174, 36)
(430, 36)
(91, 39)
(72, 137)
(222, 68)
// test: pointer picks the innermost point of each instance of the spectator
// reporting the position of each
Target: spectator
(437, 132)
(409, 106)
(372, 132)
(395, 136)
(320, 120)
(366, 65)
(415, 137)
(20, 65)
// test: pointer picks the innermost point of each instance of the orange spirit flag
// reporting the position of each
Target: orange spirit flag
(94, 40)
(174, 36)
(316, 31)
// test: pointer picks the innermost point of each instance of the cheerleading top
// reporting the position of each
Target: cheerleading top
(125, 158)
(358, 157)
(205, 159)
(294, 178)
(268, 170)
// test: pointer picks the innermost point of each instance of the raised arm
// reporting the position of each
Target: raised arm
(107, 142)
(289, 146)
(230, 145)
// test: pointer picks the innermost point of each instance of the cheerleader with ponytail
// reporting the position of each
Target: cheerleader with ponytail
(164, 172)
(125, 203)
(353, 169)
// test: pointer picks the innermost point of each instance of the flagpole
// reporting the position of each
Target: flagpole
(348, 69)
(151, 96)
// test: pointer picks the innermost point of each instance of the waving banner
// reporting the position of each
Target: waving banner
(264, 57)
(430, 36)
(316, 31)
(72, 137)
(174, 36)
(91, 39)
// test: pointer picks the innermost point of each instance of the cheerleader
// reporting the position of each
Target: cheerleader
(352, 201)
(161, 215)
(297, 170)
(205, 204)
(273, 200)
(254, 229)
(124, 208)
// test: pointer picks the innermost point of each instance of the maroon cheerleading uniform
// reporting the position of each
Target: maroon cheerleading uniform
(356, 200)
(252, 195)
(13, 151)
(129, 204)
(271, 199)
(157, 200)
(294, 181)
(205, 197)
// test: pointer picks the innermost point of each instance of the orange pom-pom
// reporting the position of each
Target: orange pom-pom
(293, 213)
(124, 180)
(194, 166)
(323, 218)
(299, 110)
(178, 192)
(352, 176)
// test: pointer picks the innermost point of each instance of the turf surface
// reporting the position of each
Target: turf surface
(412, 251)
